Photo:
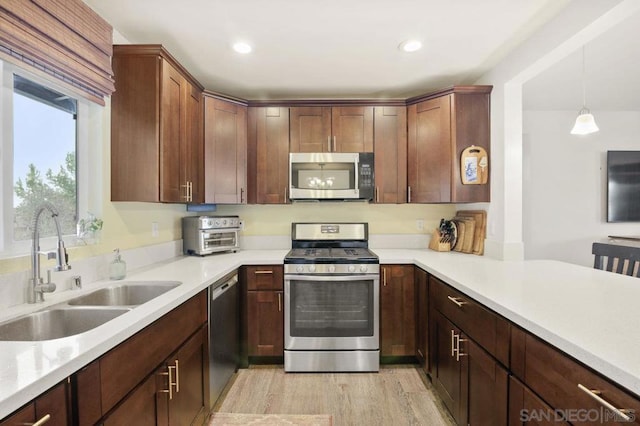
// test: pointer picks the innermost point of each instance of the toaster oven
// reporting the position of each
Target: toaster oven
(202, 235)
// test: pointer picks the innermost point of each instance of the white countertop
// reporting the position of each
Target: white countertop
(590, 314)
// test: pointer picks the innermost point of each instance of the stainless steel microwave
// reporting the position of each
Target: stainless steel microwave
(331, 176)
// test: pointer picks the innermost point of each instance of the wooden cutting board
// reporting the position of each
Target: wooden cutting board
(474, 166)
(468, 224)
(480, 230)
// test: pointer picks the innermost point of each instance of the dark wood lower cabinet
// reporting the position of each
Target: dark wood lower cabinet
(265, 318)
(422, 318)
(54, 403)
(190, 401)
(397, 311)
(471, 383)
(143, 401)
(527, 409)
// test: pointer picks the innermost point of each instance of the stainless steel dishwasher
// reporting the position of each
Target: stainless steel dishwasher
(224, 343)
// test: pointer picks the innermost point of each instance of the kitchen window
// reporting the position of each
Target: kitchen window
(44, 132)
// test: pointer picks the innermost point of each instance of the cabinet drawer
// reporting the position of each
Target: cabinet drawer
(262, 277)
(487, 328)
(122, 368)
(556, 377)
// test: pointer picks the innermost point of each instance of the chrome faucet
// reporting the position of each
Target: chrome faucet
(38, 288)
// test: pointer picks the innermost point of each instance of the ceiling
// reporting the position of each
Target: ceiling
(330, 48)
(612, 75)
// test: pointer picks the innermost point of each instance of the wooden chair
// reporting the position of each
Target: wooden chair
(616, 258)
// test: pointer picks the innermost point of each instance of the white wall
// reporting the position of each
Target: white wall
(579, 22)
(564, 182)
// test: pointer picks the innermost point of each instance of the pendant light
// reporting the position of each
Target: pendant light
(585, 123)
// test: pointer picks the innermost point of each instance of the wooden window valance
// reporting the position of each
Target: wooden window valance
(63, 38)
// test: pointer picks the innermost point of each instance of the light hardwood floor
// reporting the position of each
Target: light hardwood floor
(398, 395)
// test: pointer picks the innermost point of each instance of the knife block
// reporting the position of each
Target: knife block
(435, 243)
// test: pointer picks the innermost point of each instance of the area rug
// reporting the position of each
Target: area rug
(232, 419)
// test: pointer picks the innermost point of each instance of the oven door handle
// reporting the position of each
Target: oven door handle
(335, 277)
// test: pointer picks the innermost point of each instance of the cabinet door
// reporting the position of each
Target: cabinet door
(390, 148)
(352, 129)
(191, 397)
(310, 129)
(429, 151)
(135, 134)
(265, 318)
(56, 403)
(398, 313)
(445, 368)
(422, 318)
(145, 406)
(486, 383)
(527, 409)
(193, 147)
(268, 176)
(225, 135)
(172, 107)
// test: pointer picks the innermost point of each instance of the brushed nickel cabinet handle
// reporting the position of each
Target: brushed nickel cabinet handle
(420, 353)
(263, 272)
(377, 194)
(328, 143)
(457, 301)
(43, 420)
(334, 144)
(409, 194)
(190, 191)
(241, 195)
(384, 277)
(453, 344)
(458, 351)
(186, 191)
(279, 302)
(177, 376)
(595, 394)
(170, 368)
(284, 200)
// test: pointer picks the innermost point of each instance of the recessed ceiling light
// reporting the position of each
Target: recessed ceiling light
(242, 47)
(410, 45)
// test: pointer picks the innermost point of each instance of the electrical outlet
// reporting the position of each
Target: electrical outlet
(155, 232)
(420, 224)
(241, 225)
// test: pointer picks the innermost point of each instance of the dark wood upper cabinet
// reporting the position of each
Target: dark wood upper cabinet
(156, 123)
(225, 151)
(440, 126)
(390, 152)
(268, 155)
(331, 129)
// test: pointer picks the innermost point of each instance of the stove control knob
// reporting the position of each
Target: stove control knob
(352, 268)
(299, 268)
(363, 268)
(312, 268)
(217, 223)
(224, 222)
(332, 268)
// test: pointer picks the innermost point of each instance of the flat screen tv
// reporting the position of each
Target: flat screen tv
(623, 186)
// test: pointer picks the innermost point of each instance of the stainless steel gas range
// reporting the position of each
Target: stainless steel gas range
(332, 299)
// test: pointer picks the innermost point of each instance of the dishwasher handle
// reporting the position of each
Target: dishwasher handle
(219, 290)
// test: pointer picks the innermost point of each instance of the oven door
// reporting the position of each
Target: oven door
(330, 312)
(215, 240)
